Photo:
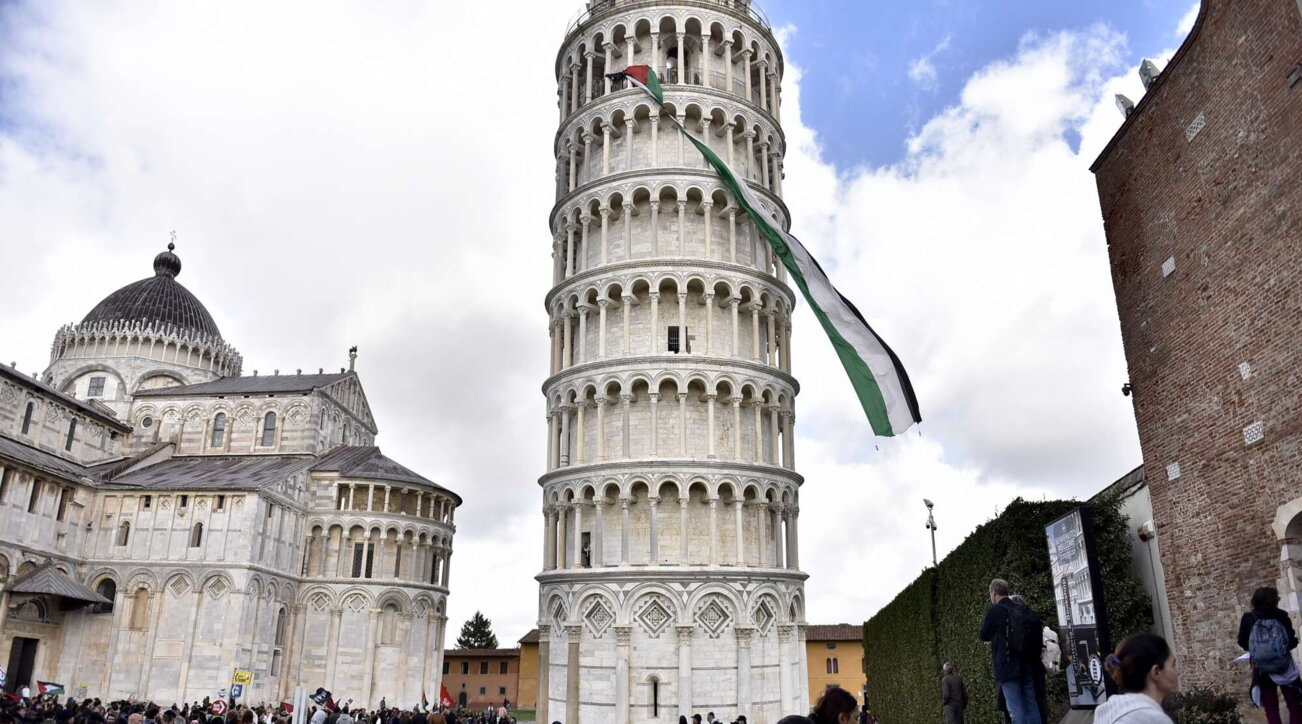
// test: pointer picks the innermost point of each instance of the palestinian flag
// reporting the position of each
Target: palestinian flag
(424, 700)
(643, 77)
(878, 377)
(48, 687)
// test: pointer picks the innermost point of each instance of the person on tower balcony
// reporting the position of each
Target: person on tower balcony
(1267, 634)
(1013, 632)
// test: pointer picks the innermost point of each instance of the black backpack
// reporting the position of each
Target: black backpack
(1025, 640)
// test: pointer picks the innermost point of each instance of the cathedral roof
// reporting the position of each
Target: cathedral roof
(365, 462)
(216, 472)
(159, 300)
(11, 449)
(264, 384)
(93, 408)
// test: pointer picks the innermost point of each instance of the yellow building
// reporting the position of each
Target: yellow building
(527, 690)
(835, 656)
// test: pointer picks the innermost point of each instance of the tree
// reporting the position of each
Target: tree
(477, 633)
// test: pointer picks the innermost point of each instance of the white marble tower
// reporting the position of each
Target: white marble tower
(671, 582)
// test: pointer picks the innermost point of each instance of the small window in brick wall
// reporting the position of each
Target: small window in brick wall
(483, 669)
(96, 388)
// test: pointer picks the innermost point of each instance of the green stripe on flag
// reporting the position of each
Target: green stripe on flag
(861, 377)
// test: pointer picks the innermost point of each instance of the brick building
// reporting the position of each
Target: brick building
(476, 678)
(1200, 198)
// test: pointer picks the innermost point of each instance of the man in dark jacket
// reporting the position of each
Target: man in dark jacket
(953, 695)
(1011, 671)
(1265, 607)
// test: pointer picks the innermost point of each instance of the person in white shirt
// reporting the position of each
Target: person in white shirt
(1144, 669)
(319, 716)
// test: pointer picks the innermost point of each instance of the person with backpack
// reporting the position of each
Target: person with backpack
(1013, 632)
(1267, 635)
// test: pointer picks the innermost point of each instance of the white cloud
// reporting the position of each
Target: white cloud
(922, 70)
(355, 174)
(1187, 21)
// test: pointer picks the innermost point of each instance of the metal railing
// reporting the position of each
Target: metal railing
(599, 6)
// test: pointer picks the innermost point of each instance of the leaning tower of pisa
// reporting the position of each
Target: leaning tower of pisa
(671, 582)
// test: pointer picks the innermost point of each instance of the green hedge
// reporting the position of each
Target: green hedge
(904, 655)
(1013, 547)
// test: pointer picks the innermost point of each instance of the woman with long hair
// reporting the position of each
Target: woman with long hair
(835, 706)
(1144, 669)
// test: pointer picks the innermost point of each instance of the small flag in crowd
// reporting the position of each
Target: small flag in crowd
(287, 707)
(424, 700)
(320, 696)
(445, 698)
(4, 676)
(48, 687)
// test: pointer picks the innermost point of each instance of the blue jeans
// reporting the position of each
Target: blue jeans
(1019, 695)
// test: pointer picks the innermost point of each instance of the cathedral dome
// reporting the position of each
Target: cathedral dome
(159, 301)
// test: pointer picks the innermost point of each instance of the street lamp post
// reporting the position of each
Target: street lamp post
(931, 526)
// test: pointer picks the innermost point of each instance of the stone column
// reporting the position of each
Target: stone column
(623, 531)
(709, 426)
(745, 63)
(627, 299)
(567, 347)
(605, 235)
(763, 84)
(655, 65)
(707, 301)
(544, 672)
(682, 58)
(574, 87)
(655, 140)
(599, 545)
(775, 440)
(629, 125)
(368, 670)
(802, 666)
(793, 540)
(785, 659)
(602, 303)
(623, 639)
(609, 48)
(748, 171)
(754, 331)
(788, 440)
(565, 435)
(684, 667)
(682, 323)
(553, 448)
(682, 424)
(743, 670)
(733, 304)
(741, 545)
(578, 535)
(655, 423)
(682, 529)
(574, 171)
(655, 227)
(654, 551)
(572, 634)
(627, 401)
(560, 536)
(579, 457)
(736, 426)
(762, 532)
(682, 227)
(332, 646)
(714, 531)
(707, 208)
(605, 149)
(447, 567)
(654, 332)
(727, 65)
(628, 229)
(770, 351)
(585, 223)
(705, 60)
(601, 428)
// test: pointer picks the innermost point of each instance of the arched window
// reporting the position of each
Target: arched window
(124, 532)
(268, 430)
(218, 430)
(389, 623)
(655, 698)
(108, 589)
(829, 666)
(196, 535)
(72, 434)
(27, 417)
(282, 623)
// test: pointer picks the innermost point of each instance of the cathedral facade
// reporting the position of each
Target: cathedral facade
(671, 580)
(166, 520)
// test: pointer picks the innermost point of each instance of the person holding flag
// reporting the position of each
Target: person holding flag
(876, 373)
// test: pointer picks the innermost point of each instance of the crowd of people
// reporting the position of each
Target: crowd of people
(1023, 652)
(49, 709)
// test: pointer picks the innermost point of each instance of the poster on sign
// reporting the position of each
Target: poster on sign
(1082, 621)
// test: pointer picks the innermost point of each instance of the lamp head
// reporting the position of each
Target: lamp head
(929, 504)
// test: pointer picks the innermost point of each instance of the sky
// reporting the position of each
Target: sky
(379, 174)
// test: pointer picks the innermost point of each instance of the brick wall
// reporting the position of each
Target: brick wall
(1206, 173)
